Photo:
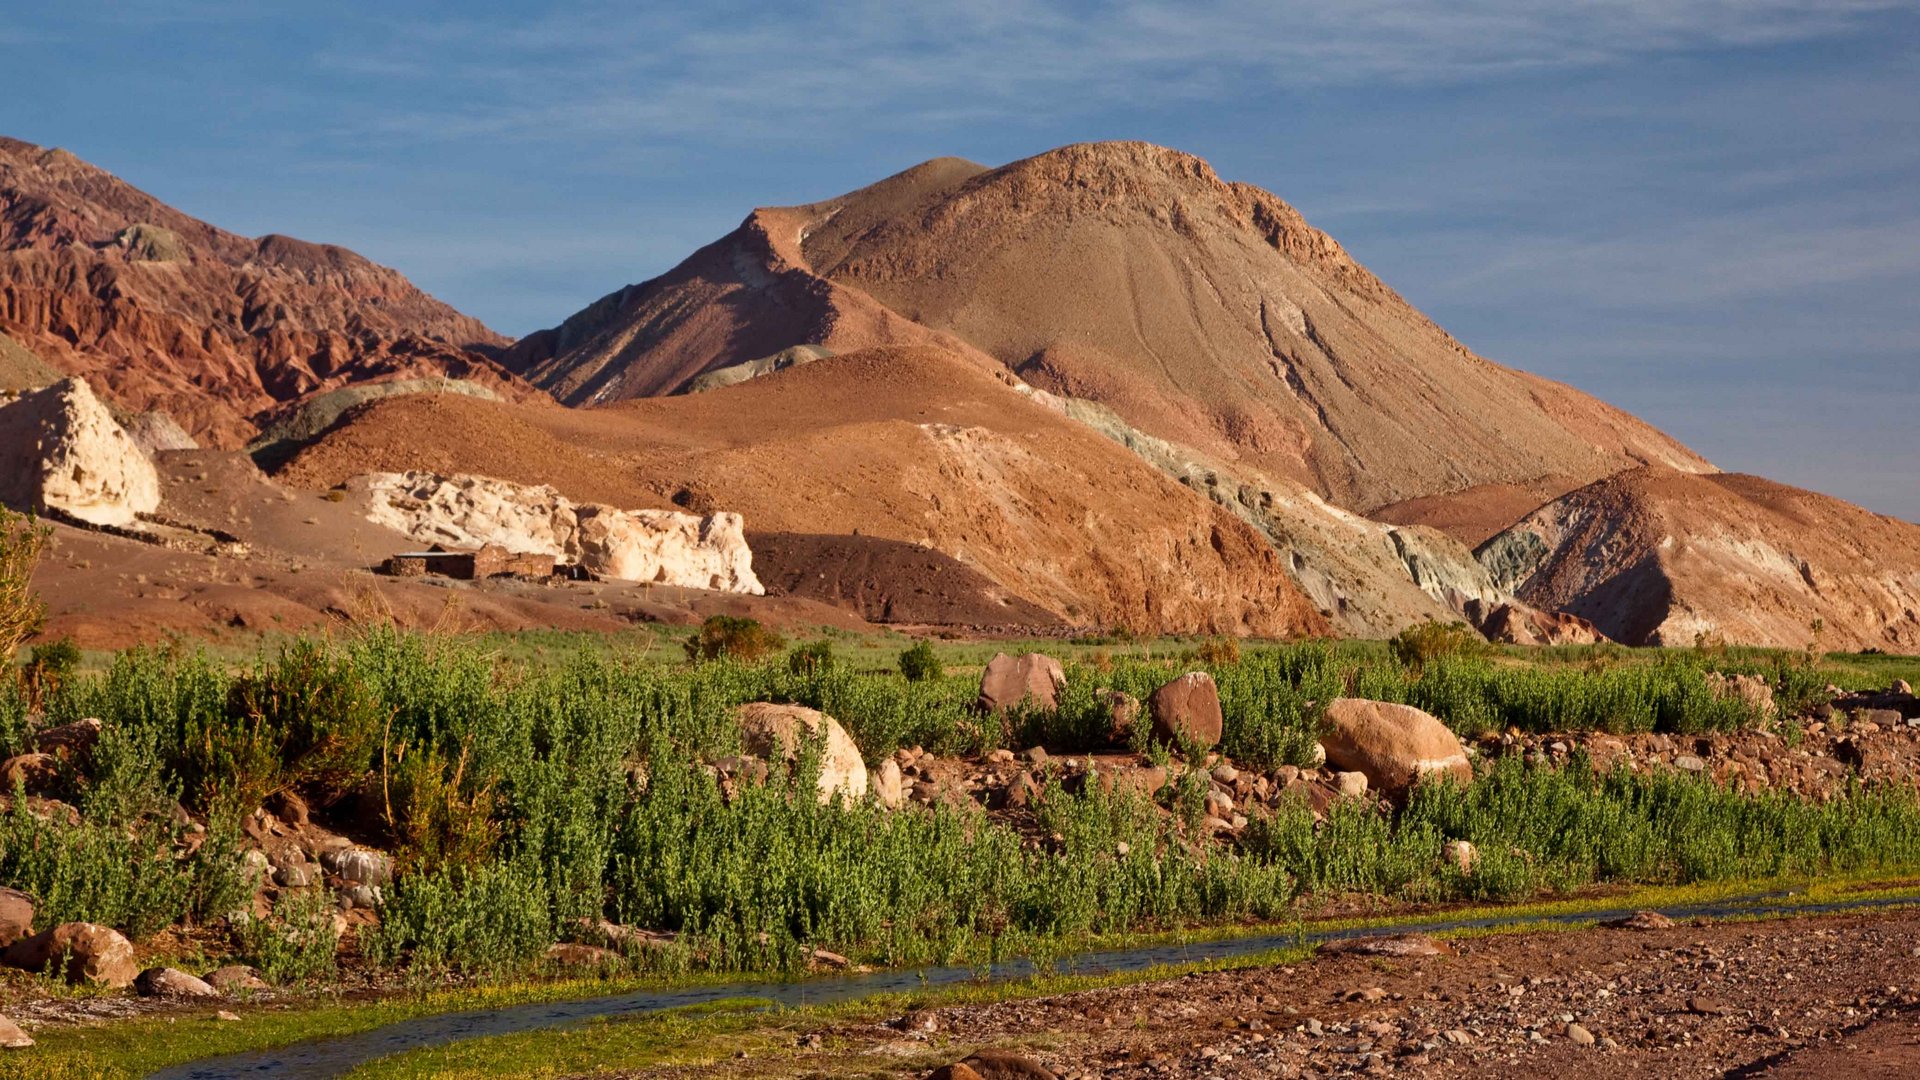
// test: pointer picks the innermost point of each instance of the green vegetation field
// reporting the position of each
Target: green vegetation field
(526, 785)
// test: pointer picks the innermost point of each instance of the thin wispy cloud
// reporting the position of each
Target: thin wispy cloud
(755, 71)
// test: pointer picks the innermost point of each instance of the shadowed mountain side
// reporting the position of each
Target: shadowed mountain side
(163, 311)
(914, 445)
(886, 581)
(1662, 558)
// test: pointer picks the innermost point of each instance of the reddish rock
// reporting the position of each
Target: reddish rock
(94, 954)
(1033, 680)
(1005, 1065)
(1641, 920)
(1187, 710)
(73, 741)
(1518, 624)
(37, 773)
(166, 312)
(1394, 745)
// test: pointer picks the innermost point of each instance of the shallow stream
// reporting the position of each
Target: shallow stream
(336, 1056)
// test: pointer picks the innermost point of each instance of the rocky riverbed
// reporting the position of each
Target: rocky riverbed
(1802, 997)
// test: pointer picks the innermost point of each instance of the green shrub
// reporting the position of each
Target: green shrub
(297, 944)
(51, 664)
(919, 663)
(492, 919)
(95, 873)
(1417, 645)
(734, 637)
(811, 659)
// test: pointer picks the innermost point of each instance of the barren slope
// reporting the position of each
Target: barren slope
(1205, 313)
(905, 444)
(163, 311)
(1657, 557)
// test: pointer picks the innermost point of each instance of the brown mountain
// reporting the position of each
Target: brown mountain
(1205, 313)
(1655, 557)
(909, 445)
(163, 311)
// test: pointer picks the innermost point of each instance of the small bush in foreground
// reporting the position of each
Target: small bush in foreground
(298, 943)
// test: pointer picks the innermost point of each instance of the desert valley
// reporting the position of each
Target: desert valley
(988, 565)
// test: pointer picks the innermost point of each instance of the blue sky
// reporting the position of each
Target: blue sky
(1705, 211)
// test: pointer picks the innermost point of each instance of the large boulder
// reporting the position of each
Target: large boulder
(61, 450)
(16, 916)
(779, 731)
(92, 954)
(1032, 679)
(70, 742)
(663, 547)
(668, 548)
(1753, 691)
(1393, 745)
(1187, 709)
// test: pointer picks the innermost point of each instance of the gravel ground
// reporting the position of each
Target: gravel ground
(1804, 997)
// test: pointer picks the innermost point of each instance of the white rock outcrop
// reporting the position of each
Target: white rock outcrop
(663, 547)
(61, 450)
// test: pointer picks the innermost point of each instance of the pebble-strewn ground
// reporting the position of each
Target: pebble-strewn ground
(1792, 998)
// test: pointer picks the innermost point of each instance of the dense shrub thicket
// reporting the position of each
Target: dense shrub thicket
(521, 800)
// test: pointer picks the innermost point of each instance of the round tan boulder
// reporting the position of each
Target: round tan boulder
(1187, 709)
(11, 1037)
(1393, 745)
(16, 916)
(236, 978)
(770, 731)
(1034, 680)
(171, 982)
(94, 954)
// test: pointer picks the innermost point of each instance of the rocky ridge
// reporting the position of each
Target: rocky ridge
(164, 311)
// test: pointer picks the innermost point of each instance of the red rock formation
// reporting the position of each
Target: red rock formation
(162, 311)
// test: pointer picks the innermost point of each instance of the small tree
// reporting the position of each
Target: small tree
(812, 658)
(1415, 646)
(22, 612)
(728, 635)
(921, 664)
